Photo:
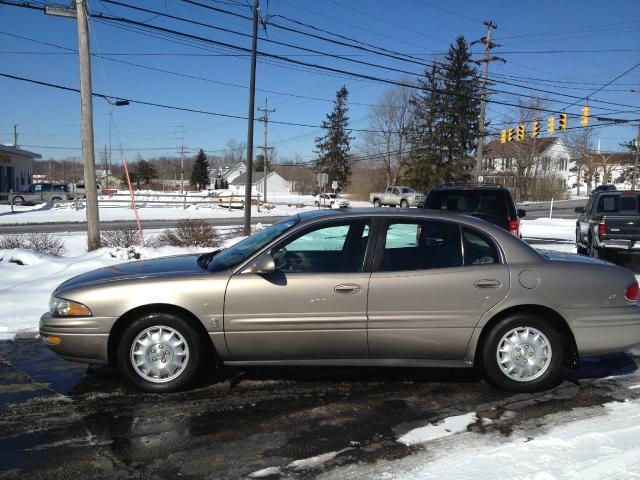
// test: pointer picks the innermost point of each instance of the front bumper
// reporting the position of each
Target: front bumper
(605, 330)
(81, 339)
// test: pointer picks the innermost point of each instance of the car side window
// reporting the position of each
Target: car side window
(421, 245)
(478, 250)
(338, 248)
(37, 188)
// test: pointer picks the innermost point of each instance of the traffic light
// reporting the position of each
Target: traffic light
(503, 136)
(536, 129)
(585, 116)
(510, 135)
(520, 133)
(563, 121)
(552, 125)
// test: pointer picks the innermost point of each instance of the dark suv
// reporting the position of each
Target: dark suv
(491, 203)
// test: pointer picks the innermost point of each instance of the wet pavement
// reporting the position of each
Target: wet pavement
(61, 420)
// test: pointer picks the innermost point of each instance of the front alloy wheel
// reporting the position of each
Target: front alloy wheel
(160, 352)
(523, 353)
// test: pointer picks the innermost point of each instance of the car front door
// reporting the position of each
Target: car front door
(432, 282)
(312, 307)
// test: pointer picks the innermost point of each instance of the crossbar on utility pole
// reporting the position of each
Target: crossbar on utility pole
(486, 60)
(252, 97)
(265, 149)
(636, 160)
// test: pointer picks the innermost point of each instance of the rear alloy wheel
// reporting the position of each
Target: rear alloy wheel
(580, 249)
(160, 353)
(523, 353)
(56, 199)
(376, 203)
(18, 200)
(317, 204)
(404, 204)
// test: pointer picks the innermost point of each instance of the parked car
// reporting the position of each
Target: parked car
(41, 192)
(331, 200)
(488, 202)
(78, 189)
(365, 287)
(609, 222)
(395, 196)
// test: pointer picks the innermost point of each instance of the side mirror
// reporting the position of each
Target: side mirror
(579, 209)
(263, 264)
(522, 213)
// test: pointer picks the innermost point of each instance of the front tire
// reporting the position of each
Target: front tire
(404, 204)
(523, 353)
(160, 353)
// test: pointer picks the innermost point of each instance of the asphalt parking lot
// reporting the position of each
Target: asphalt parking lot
(63, 420)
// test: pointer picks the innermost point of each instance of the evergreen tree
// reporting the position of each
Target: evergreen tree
(200, 172)
(333, 147)
(445, 122)
(140, 172)
(258, 164)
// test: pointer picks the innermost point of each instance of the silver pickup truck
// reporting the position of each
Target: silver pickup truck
(396, 196)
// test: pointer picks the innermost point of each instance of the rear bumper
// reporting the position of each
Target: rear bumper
(613, 244)
(78, 339)
(605, 330)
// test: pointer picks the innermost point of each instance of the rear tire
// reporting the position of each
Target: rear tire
(317, 204)
(18, 200)
(580, 249)
(160, 353)
(376, 203)
(523, 353)
(56, 199)
(594, 252)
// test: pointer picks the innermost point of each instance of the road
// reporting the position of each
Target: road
(64, 420)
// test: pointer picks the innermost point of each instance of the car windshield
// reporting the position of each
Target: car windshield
(408, 190)
(241, 251)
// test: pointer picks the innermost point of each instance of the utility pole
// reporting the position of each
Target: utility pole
(636, 160)
(488, 44)
(265, 149)
(15, 135)
(109, 156)
(86, 110)
(181, 160)
(252, 97)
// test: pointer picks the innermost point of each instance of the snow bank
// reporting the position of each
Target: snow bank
(590, 443)
(557, 228)
(449, 426)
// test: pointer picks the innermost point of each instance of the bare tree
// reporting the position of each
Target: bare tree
(235, 151)
(580, 143)
(389, 122)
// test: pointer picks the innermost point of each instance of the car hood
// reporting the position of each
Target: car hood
(182, 265)
(556, 256)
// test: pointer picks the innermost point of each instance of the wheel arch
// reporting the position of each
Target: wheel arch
(121, 324)
(571, 359)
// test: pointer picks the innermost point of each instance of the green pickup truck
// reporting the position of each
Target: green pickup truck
(609, 222)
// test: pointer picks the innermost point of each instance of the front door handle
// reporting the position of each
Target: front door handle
(488, 283)
(348, 289)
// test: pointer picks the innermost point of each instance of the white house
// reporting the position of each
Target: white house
(227, 171)
(275, 183)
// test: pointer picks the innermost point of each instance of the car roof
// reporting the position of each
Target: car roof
(471, 187)
(516, 250)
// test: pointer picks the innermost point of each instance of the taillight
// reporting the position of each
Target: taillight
(602, 227)
(514, 227)
(632, 292)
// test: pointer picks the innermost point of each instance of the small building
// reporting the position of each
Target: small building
(275, 183)
(227, 171)
(16, 168)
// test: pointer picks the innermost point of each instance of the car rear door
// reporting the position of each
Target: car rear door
(313, 306)
(431, 284)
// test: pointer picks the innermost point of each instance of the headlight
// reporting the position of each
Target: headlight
(60, 307)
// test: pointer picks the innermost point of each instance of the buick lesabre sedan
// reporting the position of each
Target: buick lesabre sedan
(360, 288)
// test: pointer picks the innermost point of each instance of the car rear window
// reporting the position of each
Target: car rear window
(474, 202)
(618, 203)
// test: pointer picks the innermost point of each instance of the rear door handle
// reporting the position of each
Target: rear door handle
(348, 289)
(486, 283)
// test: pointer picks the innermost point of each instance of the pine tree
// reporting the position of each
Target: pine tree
(258, 164)
(445, 122)
(333, 148)
(200, 172)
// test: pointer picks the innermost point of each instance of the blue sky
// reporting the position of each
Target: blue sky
(423, 28)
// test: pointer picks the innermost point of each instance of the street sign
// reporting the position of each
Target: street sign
(334, 185)
(323, 179)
